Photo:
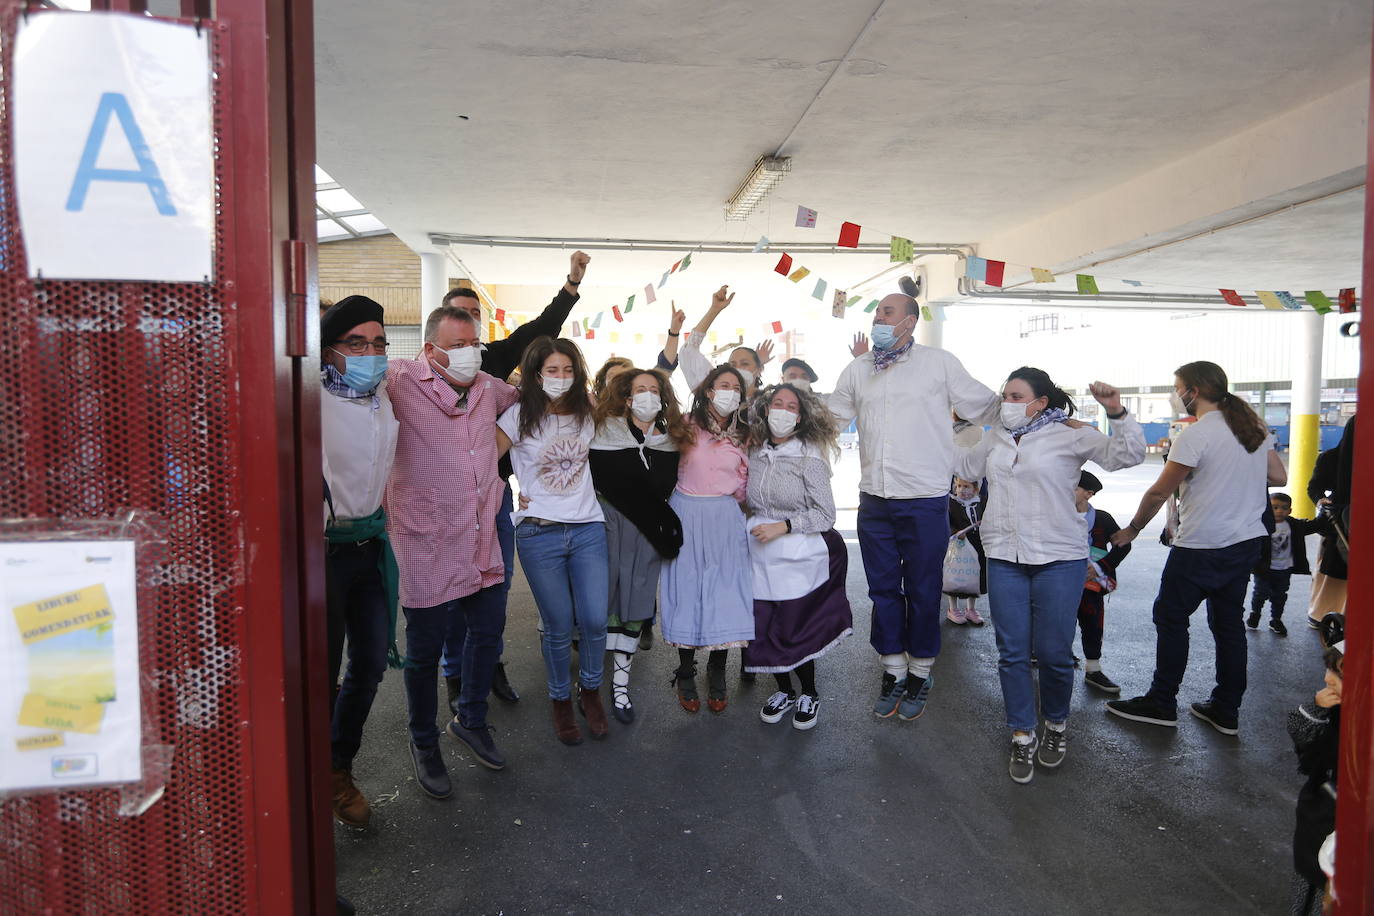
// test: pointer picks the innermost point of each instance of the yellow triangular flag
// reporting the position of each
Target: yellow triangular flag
(1269, 300)
(1041, 275)
(798, 275)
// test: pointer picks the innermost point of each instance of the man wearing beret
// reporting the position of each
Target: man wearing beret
(358, 438)
(499, 359)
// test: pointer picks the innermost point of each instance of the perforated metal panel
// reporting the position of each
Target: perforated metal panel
(118, 396)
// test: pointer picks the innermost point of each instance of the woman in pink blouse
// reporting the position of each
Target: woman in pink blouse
(707, 592)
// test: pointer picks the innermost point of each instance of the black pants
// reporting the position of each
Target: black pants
(355, 598)
(1092, 618)
(1272, 586)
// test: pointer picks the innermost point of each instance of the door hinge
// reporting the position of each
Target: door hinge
(297, 296)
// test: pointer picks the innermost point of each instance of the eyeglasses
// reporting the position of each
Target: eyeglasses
(360, 345)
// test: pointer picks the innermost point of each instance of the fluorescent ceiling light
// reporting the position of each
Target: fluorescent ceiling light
(767, 172)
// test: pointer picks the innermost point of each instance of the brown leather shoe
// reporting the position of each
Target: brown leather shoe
(589, 701)
(565, 723)
(685, 681)
(716, 696)
(350, 805)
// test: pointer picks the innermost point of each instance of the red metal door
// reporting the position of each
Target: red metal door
(188, 402)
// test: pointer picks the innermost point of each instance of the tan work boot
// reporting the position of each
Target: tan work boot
(350, 805)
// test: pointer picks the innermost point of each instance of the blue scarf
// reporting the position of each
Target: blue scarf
(882, 358)
(334, 382)
(1046, 417)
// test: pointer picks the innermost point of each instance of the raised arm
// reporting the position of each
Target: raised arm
(970, 398)
(971, 462)
(1125, 447)
(502, 356)
(667, 357)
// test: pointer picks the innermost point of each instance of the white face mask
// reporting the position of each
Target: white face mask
(1014, 415)
(645, 406)
(801, 383)
(747, 376)
(725, 401)
(781, 422)
(463, 363)
(555, 388)
(1181, 408)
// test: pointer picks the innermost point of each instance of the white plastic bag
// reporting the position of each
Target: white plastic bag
(962, 569)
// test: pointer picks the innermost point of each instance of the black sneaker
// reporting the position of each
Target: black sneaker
(1277, 628)
(478, 740)
(501, 687)
(1101, 682)
(1314, 623)
(1252, 620)
(808, 707)
(1021, 767)
(1227, 723)
(430, 771)
(777, 706)
(1143, 709)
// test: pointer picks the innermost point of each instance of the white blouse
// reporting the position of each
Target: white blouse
(1031, 516)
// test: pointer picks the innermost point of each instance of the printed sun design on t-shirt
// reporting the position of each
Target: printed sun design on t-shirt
(562, 462)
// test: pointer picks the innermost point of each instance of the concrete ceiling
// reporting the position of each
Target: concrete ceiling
(946, 122)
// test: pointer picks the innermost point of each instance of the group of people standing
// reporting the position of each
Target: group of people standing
(719, 521)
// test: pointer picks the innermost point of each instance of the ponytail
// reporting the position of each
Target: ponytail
(1209, 381)
(1040, 383)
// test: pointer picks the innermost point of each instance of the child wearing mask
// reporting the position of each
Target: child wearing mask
(1282, 556)
(1103, 559)
(965, 511)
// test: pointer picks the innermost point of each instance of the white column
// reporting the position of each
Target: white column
(1304, 420)
(930, 333)
(433, 283)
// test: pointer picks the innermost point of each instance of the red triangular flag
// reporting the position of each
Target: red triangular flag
(615, 310)
(777, 327)
(1346, 301)
(501, 315)
(591, 335)
(784, 265)
(996, 270)
(849, 235)
(1232, 297)
(675, 267)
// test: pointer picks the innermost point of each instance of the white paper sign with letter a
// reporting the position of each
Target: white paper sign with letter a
(112, 149)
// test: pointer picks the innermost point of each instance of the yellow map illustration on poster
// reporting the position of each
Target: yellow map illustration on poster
(70, 642)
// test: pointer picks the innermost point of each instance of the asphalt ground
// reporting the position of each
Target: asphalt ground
(694, 814)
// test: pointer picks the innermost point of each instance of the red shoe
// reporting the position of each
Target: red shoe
(685, 680)
(716, 697)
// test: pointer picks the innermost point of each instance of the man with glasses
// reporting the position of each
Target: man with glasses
(442, 501)
(499, 359)
(358, 439)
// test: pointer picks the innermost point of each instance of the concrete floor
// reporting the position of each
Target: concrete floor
(705, 814)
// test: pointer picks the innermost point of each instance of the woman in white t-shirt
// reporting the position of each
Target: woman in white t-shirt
(560, 531)
(1219, 467)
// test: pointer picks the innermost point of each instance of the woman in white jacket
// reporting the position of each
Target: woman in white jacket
(1036, 543)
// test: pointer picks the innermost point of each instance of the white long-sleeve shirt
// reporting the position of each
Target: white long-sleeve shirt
(1031, 515)
(358, 439)
(694, 363)
(906, 434)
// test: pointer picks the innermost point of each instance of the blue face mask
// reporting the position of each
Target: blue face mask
(363, 373)
(884, 336)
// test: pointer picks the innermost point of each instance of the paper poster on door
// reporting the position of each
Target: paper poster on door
(69, 708)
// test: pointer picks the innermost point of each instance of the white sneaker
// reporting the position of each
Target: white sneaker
(776, 707)
(808, 707)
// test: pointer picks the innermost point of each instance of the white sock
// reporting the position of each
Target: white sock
(620, 679)
(971, 602)
(1023, 739)
(1056, 726)
(895, 665)
(1092, 664)
(951, 602)
(920, 667)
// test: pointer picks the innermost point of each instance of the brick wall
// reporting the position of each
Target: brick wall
(380, 267)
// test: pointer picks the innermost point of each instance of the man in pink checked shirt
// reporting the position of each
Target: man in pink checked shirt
(441, 504)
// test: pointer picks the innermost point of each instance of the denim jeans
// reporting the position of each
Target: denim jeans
(1191, 576)
(1271, 585)
(1035, 608)
(355, 599)
(458, 630)
(567, 568)
(903, 544)
(484, 612)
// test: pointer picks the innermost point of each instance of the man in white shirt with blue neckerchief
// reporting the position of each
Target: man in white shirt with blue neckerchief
(902, 395)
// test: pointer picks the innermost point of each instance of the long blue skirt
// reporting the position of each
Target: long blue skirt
(706, 595)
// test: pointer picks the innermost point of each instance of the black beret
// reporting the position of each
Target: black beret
(811, 375)
(345, 314)
(1089, 482)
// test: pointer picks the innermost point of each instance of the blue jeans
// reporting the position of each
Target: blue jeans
(903, 543)
(453, 640)
(1190, 577)
(567, 568)
(355, 599)
(484, 612)
(1035, 608)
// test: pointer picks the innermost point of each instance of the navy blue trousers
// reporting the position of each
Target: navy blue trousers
(903, 544)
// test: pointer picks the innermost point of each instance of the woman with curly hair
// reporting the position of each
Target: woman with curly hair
(707, 591)
(608, 371)
(799, 560)
(634, 460)
(560, 530)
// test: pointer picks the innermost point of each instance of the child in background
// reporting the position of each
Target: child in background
(965, 511)
(1283, 556)
(1315, 728)
(1103, 558)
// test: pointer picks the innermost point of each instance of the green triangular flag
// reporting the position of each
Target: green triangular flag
(686, 263)
(1317, 299)
(629, 304)
(871, 306)
(925, 313)
(901, 249)
(853, 301)
(1087, 285)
